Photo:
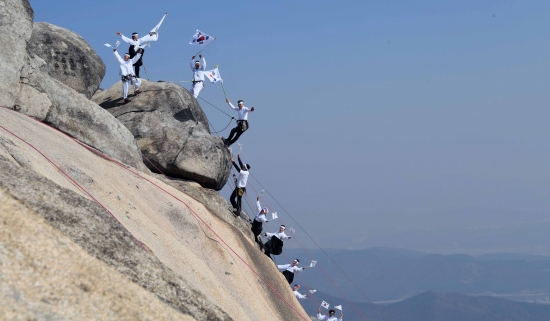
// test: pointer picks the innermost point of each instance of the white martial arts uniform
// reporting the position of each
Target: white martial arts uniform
(290, 268)
(198, 77)
(243, 112)
(299, 295)
(321, 317)
(260, 217)
(137, 43)
(280, 235)
(126, 68)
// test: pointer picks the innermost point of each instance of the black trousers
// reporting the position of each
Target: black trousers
(136, 67)
(235, 195)
(237, 132)
(289, 276)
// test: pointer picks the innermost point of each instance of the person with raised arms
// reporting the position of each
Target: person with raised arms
(330, 316)
(242, 122)
(136, 44)
(288, 270)
(127, 73)
(240, 187)
(259, 219)
(198, 75)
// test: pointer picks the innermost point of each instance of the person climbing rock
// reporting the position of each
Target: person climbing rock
(198, 75)
(298, 294)
(240, 187)
(259, 219)
(274, 245)
(330, 316)
(288, 270)
(242, 122)
(127, 73)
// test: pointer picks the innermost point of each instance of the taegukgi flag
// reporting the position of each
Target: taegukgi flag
(214, 76)
(325, 305)
(201, 39)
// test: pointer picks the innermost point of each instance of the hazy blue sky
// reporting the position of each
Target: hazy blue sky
(377, 121)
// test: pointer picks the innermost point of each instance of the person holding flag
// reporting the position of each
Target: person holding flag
(288, 270)
(330, 316)
(127, 74)
(242, 122)
(259, 219)
(298, 294)
(198, 75)
(137, 43)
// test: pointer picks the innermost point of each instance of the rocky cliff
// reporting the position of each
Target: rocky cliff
(87, 232)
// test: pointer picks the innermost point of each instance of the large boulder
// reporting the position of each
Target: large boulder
(16, 18)
(172, 132)
(52, 102)
(69, 58)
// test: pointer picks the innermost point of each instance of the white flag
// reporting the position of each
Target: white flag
(291, 231)
(116, 45)
(313, 263)
(262, 192)
(240, 146)
(339, 307)
(214, 76)
(201, 39)
(312, 291)
(153, 34)
(274, 215)
(325, 305)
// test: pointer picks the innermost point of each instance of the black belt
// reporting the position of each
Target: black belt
(242, 120)
(194, 81)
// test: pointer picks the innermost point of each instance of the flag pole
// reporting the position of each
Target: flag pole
(222, 85)
(205, 47)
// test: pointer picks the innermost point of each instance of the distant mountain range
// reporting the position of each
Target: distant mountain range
(395, 274)
(432, 306)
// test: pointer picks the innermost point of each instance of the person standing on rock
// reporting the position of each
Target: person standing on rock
(288, 270)
(127, 74)
(274, 245)
(330, 316)
(259, 219)
(242, 122)
(198, 75)
(298, 294)
(240, 187)
(135, 44)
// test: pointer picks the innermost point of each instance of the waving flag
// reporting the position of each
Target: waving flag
(274, 215)
(312, 291)
(201, 39)
(325, 305)
(153, 34)
(214, 76)
(313, 263)
(116, 45)
(339, 307)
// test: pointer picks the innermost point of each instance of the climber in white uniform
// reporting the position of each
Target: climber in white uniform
(127, 74)
(298, 294)
(259, 219)
(289, 270)
(198, 75)
(135, 44)
(330, 316)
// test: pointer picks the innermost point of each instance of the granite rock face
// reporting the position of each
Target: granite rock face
(69, 58)
(16, 18)
(54, 103)
(171, 131)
